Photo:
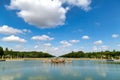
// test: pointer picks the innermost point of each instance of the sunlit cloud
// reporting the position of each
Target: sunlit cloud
(9, 30)
(46, 13)
(99, 42)
(115, 35)
(85, 37)
(13, 38)
(42, 38)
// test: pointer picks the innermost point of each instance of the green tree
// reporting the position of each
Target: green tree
(6, 51)
(1, 51)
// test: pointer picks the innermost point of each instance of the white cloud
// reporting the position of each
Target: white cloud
(5, 29)
(55, 48)
(100, 48)
(9, 30)
(99, 42)
(26, 30)
(18, 47)
(47, 44)
(115, 35)
(68, 43)
(85, 37)
(13, 38)
(78, 49)
(59, 50)
(118, 45)
(45, 13)
(104, 47)
(41, 13)
(42, 38)
(65, 43)
(94, 48)
(64, 48)
(83, 4)
(36, 46)
(74, 41)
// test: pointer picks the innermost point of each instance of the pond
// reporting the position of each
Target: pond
(77, 70)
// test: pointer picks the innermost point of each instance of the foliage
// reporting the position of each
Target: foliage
(1, 51)
(32, 54)
(74, 54)
(102, 54)
(80, 54)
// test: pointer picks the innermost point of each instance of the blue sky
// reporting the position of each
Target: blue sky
(60, 26)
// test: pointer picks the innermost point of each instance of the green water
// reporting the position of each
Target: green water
(77, 70)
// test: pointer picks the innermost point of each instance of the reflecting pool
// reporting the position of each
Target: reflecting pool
(77, 70)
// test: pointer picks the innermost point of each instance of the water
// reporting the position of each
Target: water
(78, 70)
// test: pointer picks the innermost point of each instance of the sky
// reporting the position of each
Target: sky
(60, 26)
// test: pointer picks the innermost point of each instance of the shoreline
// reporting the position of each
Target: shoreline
(47, 59)
(22, 59)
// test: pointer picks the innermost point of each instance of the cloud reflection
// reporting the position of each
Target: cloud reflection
(10, 76)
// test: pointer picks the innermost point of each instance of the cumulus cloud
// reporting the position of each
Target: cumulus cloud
(99, 42)
(74, 41)
(47, 44)
(65, 43)
(36, 46)
(55, 48)
(104, 47)
(85, 37)
(13, 38)
(43, 45)
(42, 38)
(65, 47)
(19, 47)
(5, 29)
(41, 13)
(45, 13)
(26, 30)
(115, 35)
(100, 48)
(9, 30)
(83, 4)
(94, 48)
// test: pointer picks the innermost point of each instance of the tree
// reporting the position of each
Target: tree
(6, 51)
(1, 51)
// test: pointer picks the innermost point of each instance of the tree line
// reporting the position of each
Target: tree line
(79, 54)
(100, 55)
(17, 54)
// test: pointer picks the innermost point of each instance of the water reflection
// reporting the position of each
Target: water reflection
(88, 78)
(77, 70)
(11, 76)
